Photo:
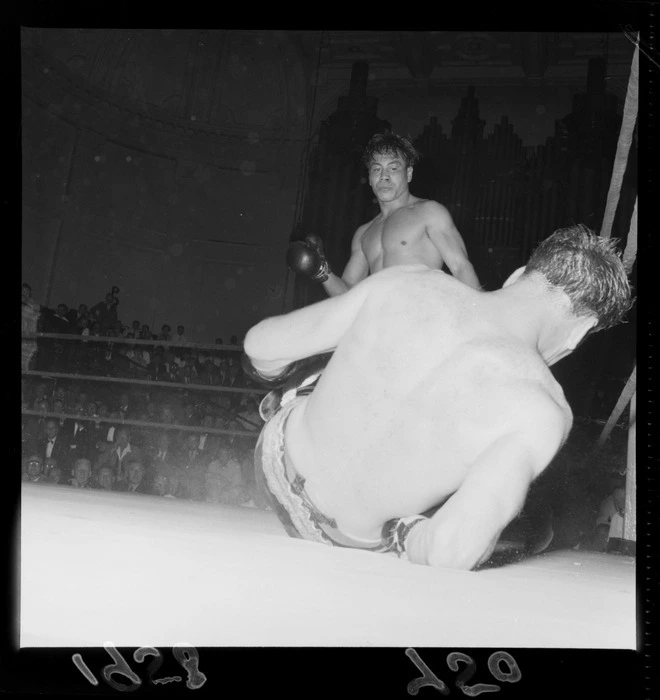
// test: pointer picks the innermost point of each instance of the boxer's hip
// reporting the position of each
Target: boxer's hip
(284, 488)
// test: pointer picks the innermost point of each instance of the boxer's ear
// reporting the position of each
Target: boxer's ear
(513, 277)
(409, 172)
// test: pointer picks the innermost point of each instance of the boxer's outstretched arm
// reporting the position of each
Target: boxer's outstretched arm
(445, 236)
(464, 531)
(276, 342)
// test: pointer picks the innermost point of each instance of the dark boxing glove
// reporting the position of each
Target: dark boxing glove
(270, 382)
(307, 258)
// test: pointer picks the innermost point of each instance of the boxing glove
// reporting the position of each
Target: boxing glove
(292, 375)
(307, 258)
(270, 382)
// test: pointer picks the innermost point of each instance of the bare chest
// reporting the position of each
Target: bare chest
(402, 232)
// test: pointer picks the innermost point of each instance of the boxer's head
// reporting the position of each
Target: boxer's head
(389, 159)
(588, 269)
(390, 144)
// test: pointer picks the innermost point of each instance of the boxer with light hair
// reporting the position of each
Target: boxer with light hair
(436, 396)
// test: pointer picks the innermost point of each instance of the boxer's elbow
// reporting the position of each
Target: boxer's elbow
(255, 342)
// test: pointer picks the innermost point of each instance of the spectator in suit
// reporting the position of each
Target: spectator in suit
(192, 468)
(80, 437)
(57, 321)
(58, 407)
(121, 451)
(35, 426)
(161, 452)
(135, 478)
(105, 313)
(165, 332)
(54, 446)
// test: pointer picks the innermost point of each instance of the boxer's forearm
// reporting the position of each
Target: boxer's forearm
(455, 538)
(335, 285)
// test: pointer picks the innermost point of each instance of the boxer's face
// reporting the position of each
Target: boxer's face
(389, 176)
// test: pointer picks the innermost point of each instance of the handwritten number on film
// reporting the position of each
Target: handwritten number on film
(186, 655)
(429, 678)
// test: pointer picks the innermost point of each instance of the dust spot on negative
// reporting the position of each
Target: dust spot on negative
(404, 242)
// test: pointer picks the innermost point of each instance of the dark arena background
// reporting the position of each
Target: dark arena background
(164, 173)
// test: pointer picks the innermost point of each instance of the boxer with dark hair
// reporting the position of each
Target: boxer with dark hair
(436, 396)
(408, 230)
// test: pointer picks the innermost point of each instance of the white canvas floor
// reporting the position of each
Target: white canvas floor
(139, 570)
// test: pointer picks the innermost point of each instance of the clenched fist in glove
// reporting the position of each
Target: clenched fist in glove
(307, 258)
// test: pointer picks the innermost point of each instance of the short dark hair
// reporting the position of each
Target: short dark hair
(589, 269)
(389, 142)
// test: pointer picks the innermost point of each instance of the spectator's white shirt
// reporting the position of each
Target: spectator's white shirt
(49, 447)
(122, 453)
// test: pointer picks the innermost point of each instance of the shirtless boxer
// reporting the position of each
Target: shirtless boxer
(436, 394)
(408, 230)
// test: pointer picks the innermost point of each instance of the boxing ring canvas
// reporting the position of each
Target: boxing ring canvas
(138, 570)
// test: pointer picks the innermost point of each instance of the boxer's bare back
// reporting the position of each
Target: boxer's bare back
(384, 436)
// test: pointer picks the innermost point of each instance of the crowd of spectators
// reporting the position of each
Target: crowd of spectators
(117, 436)
(178, 362)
